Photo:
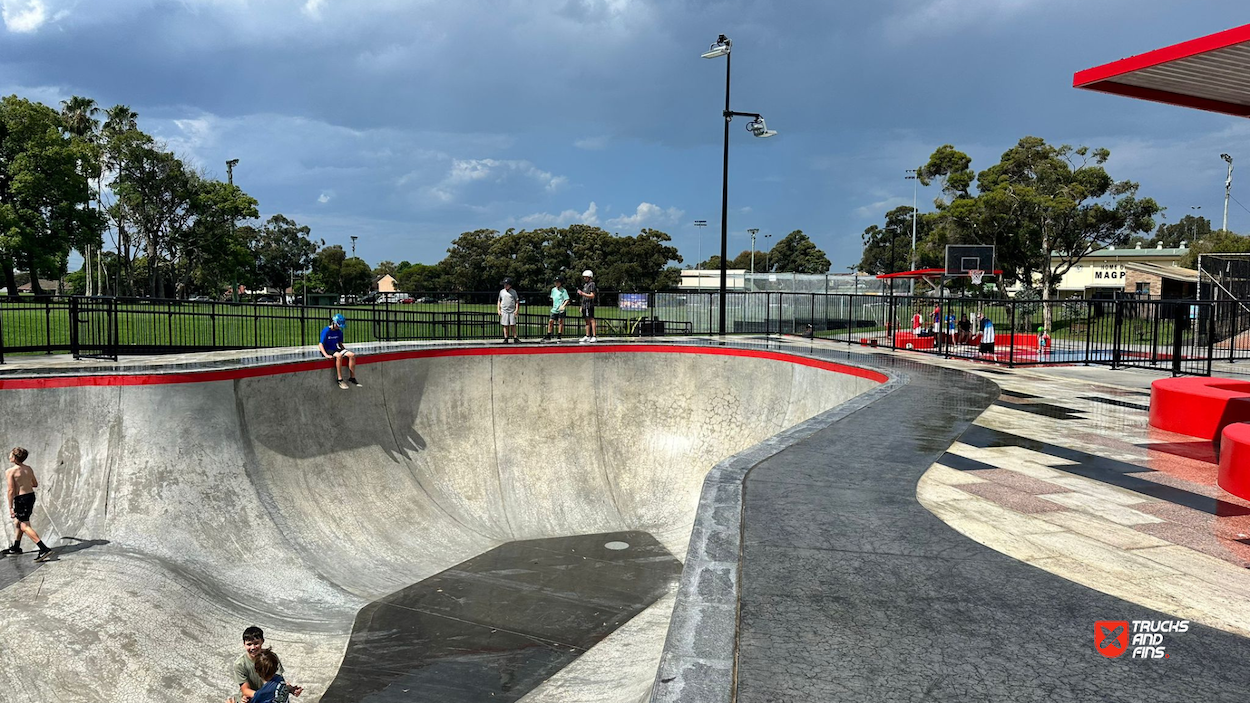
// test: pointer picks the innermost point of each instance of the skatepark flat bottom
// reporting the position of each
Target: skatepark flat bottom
(498, 625)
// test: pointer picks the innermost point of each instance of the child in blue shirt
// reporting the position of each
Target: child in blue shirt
(275, 689)
(331, 347)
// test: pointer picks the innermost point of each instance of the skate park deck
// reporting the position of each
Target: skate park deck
(821, 577)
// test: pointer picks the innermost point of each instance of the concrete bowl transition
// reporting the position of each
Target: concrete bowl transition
(192, 505)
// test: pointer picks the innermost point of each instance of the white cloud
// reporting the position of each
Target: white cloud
(312, 8)
(879, 208)
(325, 197)
(592, 143)
(465, 172)
(746, 210)
(568, 217)
(648, 215)
(24, 16)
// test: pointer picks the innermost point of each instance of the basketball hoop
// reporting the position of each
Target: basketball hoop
(977, 275)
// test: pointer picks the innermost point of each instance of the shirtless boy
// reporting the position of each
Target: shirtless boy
(21, 482)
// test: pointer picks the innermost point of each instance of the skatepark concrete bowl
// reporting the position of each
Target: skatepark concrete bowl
(189, 506)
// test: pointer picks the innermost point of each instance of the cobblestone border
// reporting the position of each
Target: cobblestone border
(700, 651)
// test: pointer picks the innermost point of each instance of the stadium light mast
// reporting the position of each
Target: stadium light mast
(698, 262)
(722, 47)
(1228, 188)
(234, 291)
(754, 231)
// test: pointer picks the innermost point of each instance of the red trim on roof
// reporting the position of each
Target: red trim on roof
(316, 364)
(1184, 50)
(1169, 98)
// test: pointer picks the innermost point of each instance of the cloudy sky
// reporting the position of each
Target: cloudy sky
(406, 122)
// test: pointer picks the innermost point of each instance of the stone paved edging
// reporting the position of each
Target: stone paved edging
(699, 659)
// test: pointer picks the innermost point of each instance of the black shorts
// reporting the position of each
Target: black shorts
(987, 347)
(588, 312)
(23, 506)
(558, 315)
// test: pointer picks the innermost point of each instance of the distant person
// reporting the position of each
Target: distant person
(937, 319)
(987, 336)
(331, 347)
(965, 329)
(587, 293)
(508, 305)
(950, 328)
(917, 321)
(1043, 340)
(559, 301)
(247, 673)
(22, 483)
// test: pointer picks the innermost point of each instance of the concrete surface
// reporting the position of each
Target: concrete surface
(187, 512)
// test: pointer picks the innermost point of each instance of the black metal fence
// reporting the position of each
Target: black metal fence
(1179, 336)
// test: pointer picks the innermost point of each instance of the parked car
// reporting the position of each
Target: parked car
(426, 300)
(407, 301)
(267, 300)
(200, 299)
(372, 298)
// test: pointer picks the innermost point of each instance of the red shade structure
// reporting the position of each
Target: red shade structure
(1208, 73)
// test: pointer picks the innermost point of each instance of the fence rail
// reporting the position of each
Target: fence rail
(1180, 336)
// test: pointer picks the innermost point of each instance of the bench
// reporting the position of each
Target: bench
(1234, 474)
(1198, 407)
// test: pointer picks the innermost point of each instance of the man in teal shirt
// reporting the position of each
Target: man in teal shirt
(559, 301)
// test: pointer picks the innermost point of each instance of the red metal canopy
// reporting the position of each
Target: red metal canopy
(1209, 73)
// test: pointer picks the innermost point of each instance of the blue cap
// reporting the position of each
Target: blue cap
(339, 320)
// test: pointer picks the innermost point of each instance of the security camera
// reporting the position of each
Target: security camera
(759, 129)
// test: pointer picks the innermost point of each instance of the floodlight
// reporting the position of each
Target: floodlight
(759, 129)
(719, 49)
(1227, 158)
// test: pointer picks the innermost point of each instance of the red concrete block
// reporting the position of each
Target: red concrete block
(1198, 407)
(1235, 459)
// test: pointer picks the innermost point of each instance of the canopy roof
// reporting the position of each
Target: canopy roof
(1209, 73)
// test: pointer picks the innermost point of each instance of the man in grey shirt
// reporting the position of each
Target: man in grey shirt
(509, 302)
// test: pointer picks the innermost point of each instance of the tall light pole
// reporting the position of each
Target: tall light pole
(915, 194)
(234, 290)
(698, 264)
(753, 231)
(768, 257)
(756, 126)
(354, 238)
(1228, 188)
(1193, 225)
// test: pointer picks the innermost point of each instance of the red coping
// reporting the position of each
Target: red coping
(300, 366)
(1198, 407)
(1235, 460)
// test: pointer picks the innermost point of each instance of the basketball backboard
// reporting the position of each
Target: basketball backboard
(962, 258)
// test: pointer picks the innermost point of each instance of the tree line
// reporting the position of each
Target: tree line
(149, 223)
(1037, 200)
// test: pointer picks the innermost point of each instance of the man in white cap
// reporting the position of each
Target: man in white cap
(587, 294)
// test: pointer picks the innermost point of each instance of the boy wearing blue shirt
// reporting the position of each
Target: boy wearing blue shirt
(559, 301)
(331, 347)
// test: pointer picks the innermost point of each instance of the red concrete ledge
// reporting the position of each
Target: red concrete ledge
(1235, 459)
(147, 379)
(1198, 407)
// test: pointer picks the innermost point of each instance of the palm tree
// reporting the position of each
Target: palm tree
(120, 119)
(79, 115)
